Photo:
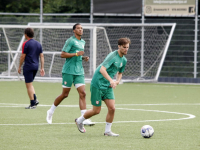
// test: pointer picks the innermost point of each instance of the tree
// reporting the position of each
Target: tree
(22, 6)
(49, 6)
(67, 6)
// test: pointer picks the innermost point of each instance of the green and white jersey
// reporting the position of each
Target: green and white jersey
(113, 64)
(73, 65)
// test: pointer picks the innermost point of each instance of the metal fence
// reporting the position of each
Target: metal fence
(179, 62)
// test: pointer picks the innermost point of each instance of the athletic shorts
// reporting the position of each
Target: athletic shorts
(29, 75)
(68, 79)
(97, 95)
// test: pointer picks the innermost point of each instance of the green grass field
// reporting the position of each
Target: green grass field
(172, 110)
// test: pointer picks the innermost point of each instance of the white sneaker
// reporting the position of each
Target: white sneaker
(88, 122)
(80, 127)
(49, 117)
(110, 134)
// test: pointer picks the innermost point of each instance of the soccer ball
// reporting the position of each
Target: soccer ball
(147, 131)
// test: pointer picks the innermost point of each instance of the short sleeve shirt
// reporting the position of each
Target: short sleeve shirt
(73, 65)
(32, 49)
(113, 64)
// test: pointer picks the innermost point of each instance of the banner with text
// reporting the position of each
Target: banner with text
(169, 8)
(118, 6)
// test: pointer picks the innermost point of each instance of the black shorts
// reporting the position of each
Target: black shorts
(29, 75)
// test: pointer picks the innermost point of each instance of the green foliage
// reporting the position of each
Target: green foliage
(64, 6)
(49, 6)
(23, 6)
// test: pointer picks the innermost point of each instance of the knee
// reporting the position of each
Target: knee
(96, 112)
(65, 95)
(111, 109)
(82, 94)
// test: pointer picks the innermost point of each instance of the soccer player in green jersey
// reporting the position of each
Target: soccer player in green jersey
(72, 72)
(102, 85)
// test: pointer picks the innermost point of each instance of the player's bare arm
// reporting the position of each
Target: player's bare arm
(42, 72)
(69, 55)
(118, 77)
(21, 62)
(105, 74)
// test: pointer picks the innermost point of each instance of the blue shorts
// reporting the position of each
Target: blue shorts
(29, 75)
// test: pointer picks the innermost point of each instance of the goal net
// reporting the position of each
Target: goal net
(148, 48)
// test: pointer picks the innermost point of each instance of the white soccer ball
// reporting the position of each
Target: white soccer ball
(147, 131)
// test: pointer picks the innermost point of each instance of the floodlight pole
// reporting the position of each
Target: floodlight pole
(196, 41)
(91, 39)
(142, 41)
(91, 11)
(41, 19)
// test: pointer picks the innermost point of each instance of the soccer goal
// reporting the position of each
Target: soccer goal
(146, 55)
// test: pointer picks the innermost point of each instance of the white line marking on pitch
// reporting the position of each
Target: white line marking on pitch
(190, 116)
(162, 104)
(158, 104)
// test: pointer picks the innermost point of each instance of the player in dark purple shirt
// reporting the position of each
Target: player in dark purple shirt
(31, 51)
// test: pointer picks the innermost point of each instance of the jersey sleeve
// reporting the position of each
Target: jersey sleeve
(23, 45)
(121, 70)
(25, 48)
(67, 46)
(108, 61)
(41, 51)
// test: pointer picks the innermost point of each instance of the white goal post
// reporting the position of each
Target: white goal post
(146, 55)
